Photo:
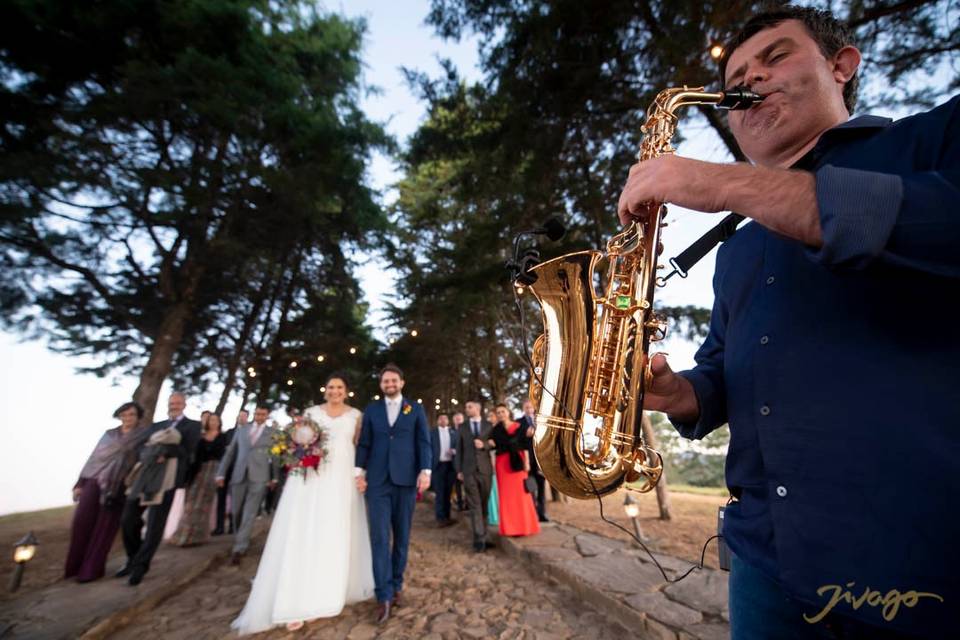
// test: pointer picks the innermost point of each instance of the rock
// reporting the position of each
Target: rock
(712, 631)
(705, 590)
(659, 631)
(363, 631)
(589, 545)
(536, 618)
(658, 606)
(554, 555)
(476, 631)
(444, 622)
(616, 572)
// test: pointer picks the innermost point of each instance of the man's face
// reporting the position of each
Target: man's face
(260, 415)
(457, 419)
(528, 407)
(391, 384)
(243, 417)
(473, 409)
(803, 92)
(443, 421)
(175, 405)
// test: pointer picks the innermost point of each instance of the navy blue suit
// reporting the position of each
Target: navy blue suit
(393, 457)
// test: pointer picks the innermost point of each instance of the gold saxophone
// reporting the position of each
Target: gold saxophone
(590, 365)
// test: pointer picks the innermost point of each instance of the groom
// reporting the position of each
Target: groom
(394, 446)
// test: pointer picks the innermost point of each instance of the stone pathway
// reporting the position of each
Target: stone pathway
(451, 592)
(620, 581)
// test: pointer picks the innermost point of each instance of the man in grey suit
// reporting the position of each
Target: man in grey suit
(253, 472)
(475, 470)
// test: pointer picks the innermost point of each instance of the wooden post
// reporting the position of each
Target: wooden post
(663, 495)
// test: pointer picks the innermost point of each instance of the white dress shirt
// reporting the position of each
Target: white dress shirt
(446, 454)
(393, 412)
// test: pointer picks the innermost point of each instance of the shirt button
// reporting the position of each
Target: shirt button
(764, 410)
(764, 339)
(782, 491)
(770, 280)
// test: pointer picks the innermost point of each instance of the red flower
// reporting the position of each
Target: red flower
(310, 461)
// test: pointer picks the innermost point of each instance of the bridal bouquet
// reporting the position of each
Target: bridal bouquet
(300, 446)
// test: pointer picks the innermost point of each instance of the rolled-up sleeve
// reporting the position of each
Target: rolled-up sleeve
(908, 220)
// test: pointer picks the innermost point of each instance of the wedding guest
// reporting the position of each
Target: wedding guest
(474, 469)
(99, 495)
(529, 424)
(223, 498)
(194, 526)
(253, 472)
(458, 484)
(162, 468)
(518, 516)
(443, 443)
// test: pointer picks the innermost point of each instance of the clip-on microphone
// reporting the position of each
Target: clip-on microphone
(521, 264)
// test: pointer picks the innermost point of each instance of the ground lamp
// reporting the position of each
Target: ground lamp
(23, 552)
(632, 508)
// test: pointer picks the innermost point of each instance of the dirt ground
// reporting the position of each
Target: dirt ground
(52, 529)
(693, 521)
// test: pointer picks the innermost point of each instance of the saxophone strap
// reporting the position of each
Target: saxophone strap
(695, 252)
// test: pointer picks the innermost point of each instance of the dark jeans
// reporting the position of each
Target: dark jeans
(140, 550)
(760, 608)
(444, 476)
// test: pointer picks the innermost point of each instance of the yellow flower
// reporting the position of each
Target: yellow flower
(276, 450)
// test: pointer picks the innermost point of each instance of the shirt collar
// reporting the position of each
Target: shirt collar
(859, 127)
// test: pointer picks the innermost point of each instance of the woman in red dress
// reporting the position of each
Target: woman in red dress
(518, 516)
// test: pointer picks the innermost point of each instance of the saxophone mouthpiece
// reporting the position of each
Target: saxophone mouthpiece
(738, 98)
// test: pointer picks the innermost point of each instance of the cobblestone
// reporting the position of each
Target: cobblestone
(451, 592)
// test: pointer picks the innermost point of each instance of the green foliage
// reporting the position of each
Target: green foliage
(700, 463)
(159, 157)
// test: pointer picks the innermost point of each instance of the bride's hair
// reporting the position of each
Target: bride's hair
(339, 375)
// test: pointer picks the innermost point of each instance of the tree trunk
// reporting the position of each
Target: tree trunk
(663, 495)
(160, 362)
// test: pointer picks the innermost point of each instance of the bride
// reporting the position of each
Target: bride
(317, 555)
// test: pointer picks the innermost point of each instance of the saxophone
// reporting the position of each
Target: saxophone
(590, 365)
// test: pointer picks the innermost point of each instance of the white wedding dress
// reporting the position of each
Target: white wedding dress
(317, 556)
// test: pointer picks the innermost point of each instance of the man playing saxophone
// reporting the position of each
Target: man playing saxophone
(844, 426)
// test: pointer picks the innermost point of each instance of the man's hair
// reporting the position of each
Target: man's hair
(830, 34)
(264, 406)
(391, 368)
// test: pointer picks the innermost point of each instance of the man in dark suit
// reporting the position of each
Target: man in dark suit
(475, 470)
(528, 422)
(140, 550)
(443, 444)
(392, 463)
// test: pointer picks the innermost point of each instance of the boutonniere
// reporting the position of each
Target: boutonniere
(406, 408)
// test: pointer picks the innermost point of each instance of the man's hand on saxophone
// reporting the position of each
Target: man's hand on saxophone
(779, 199)
(670, 393)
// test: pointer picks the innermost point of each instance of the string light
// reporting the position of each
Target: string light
(414, 333)
(519, 290)
(289, 383)
(293, 365)
(716, 51)
(350, 394)
(321, 358)
(253, 374)
(323, 389)
(353, 350)
(376, 397)
(419, 400)
(453, 401)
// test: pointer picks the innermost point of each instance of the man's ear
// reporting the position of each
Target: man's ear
(845, 63)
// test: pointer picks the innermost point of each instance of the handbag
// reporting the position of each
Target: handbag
(530, 484)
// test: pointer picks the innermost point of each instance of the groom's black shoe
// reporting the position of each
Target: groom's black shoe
(383, 612)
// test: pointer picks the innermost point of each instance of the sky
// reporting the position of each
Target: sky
(54, 416)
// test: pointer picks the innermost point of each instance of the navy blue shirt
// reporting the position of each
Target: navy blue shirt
(837, 371)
